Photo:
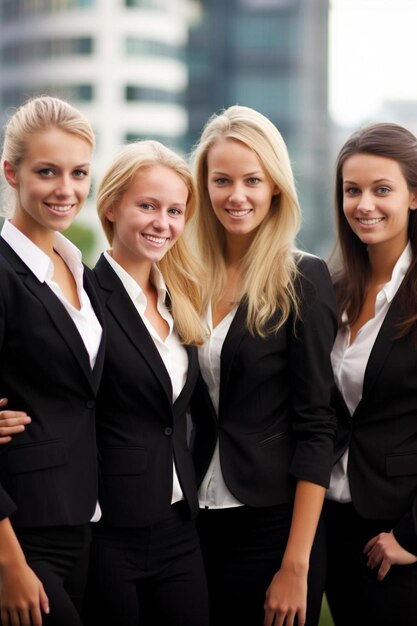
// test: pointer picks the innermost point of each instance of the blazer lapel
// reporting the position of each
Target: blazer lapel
(382, 347)
(123, 310)
(54, 308)
(231, 343)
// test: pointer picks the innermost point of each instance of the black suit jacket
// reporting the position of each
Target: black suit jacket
(275, 423)
(382, 433)
(48, 474)
(140, 430)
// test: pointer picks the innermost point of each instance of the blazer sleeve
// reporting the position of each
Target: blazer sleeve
(7, 506)
(311, 342)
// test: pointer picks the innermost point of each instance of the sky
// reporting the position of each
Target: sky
(373, 56)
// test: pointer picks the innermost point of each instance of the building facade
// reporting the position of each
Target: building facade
(271, 55)
(121, 62)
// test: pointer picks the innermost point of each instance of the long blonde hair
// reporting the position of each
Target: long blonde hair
(37, 115)
(268, 267)
(180, 269)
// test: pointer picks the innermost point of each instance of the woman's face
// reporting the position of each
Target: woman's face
(150, 216)
(376, 200)
(240, 190)
(52, 181)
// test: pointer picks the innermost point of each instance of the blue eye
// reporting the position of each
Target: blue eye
(47, 172)
(253, 180)
(146, 206)
(221, 181)
(174, 211)
(351, 191)
(80, 173)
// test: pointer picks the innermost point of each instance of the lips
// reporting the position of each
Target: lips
(240, 213)
(157, 240)
(60, 208)
(370, 221)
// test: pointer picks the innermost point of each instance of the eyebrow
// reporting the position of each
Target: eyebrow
(156, 201)
(378, 180)
(51, 164)
(255, 173)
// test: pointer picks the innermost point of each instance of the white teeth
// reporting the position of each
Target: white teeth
(60, 208)
(239, 213)
(155, 239)
(370, 222)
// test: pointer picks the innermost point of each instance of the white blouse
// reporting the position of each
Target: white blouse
(171, 350)
(213, 492)
(349, 362)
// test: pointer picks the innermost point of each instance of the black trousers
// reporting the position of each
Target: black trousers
(354, 594)
(242, 550)
(151, 576)
(55, 554)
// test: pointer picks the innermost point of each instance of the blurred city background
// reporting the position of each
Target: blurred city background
(159, 68)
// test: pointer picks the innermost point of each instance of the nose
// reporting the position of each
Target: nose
(366, 201)
(160, 221)
(64, 187)
(237, 195)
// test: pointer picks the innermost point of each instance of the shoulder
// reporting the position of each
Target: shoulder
(311, 268)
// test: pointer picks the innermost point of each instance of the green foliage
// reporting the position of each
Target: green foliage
(84, 238)
(325, 617)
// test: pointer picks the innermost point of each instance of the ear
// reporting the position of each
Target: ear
(276, 191)
(413, 201)
(110, 214)
(10, 174)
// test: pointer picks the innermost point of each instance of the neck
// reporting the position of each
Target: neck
(382, 261)
(139, 271)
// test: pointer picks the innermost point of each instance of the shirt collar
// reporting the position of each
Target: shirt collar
(38, 261)
(398, 273)
(133, 288)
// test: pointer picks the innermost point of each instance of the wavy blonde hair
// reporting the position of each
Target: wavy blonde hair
(179, 267)
(268, 267)
(37, 115)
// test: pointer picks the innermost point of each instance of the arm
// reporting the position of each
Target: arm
(286, 596)
(383, 551)
(11, 422)
(22, 596)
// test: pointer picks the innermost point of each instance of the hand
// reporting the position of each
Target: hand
(22, 596)
(11, 422)
(286, 598)
(383, 551)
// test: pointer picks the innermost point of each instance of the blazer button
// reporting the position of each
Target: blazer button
(90, 404)
(168, 431)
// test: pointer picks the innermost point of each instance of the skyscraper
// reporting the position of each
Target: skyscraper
(121, 62)
(270, 55)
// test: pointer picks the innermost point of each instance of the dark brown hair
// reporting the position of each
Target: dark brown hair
(399, 144)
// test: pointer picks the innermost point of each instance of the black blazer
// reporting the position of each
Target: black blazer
(48, 474)
(140, 430)
(275, 422)
(382, 433)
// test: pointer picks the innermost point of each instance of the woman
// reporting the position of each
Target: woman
(371, 505)
(146, 565)
(265, 429)
(50, 365)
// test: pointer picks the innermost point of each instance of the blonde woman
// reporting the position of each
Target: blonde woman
(51, 356)
(265, 429)
(146, 566)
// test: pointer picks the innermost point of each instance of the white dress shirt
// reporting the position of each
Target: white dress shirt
(349, 361)
(213, 492)
(42, 267)
(171, 350)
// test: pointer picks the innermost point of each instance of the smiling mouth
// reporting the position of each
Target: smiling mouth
(157, 240)
(370, 221)
(60, 208)
(241, 213)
